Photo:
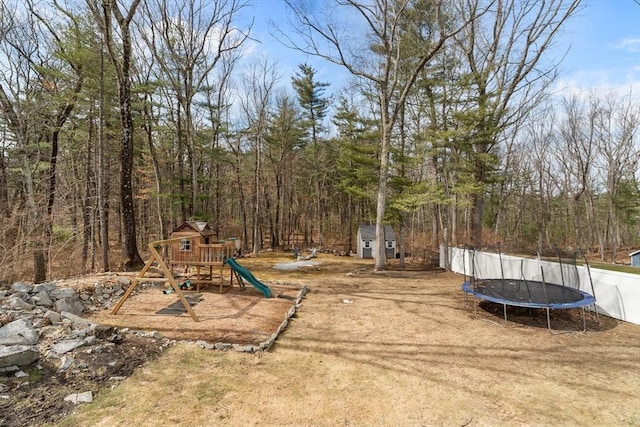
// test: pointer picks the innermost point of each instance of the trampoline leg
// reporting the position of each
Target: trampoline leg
(595, 308)
(584, 321)
(548, 320)
(504, 309)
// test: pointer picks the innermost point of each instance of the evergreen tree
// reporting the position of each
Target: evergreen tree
(314, 108)
(310, 96)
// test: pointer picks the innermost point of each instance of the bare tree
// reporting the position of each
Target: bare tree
(539, 136)
(384, 65)
(216, 94)
(504, 50)
(188, 38)
(258, 88)
(20, 112)
(114, 21)
(42, 90)
(574, 156)
(617, 123)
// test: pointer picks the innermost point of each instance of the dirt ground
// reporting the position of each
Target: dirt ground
(236, 316)
(40, 400)
(399, 347)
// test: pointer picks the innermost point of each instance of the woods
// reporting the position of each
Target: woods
(119, 120)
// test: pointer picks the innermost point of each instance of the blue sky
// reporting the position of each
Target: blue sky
(602, 46)
(274, 12)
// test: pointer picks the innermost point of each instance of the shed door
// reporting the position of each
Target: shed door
(367, 250)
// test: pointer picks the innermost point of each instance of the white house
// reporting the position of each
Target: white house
(366, 237)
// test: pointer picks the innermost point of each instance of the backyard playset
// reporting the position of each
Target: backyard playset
(193, 258)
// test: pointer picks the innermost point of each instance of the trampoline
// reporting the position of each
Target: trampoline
(528, 293)
(533, 294)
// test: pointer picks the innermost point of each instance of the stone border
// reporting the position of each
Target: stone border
(264, 346)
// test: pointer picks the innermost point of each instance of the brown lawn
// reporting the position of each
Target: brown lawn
(394, 348)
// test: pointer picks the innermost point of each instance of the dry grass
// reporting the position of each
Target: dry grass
(406, 351)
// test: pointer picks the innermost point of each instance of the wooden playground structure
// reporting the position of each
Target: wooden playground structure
(190, 251)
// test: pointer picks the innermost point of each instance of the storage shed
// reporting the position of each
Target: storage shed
(635, 258)
(367, 236)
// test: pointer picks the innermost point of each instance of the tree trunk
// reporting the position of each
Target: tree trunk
(4, 193)
(86, 202)
(103, 204)
(131, 257)
(379, 244)
(39, 267)
(256, 200)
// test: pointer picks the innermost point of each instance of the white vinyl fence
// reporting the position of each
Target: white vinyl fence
(617, 294)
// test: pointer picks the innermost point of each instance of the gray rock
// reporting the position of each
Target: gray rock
(19, 355)
(22, 287)
(18, 332)
(115, 338)
(223, 346)
(44, 287)
(61, 293)
(245, 348)
(77, 321)
(41, 322)
(65, 363)
(154, 334)
(86, 397)
(69, 304)
(66, 346)
(53, 317)
(103, 331)
(9, 369)
(42, 298)
(205, 345)
(125, 281)
(17, 303)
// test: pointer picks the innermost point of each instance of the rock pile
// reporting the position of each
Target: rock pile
(44, 320)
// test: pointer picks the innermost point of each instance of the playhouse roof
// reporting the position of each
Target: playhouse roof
(200, 227)
(368, 232)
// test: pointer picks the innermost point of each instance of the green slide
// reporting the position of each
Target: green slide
(248, 276)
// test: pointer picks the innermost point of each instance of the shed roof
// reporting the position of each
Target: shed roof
(635, 253)
(200, 227)
(368, 232)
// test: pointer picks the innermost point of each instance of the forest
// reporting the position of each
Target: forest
(121, 119)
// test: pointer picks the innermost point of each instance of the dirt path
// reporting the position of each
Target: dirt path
(393, 348)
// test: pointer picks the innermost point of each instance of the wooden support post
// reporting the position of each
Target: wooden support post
(132, 286)
(158, 258)
(175, 286)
